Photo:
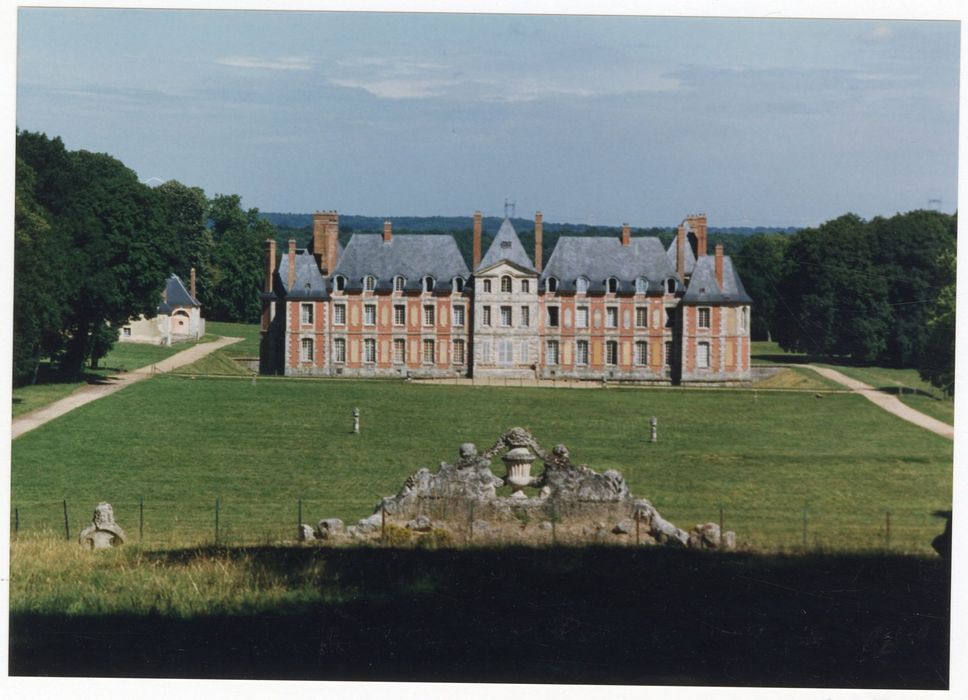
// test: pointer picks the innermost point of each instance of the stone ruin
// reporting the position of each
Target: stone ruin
(572, 503)
(103, 532)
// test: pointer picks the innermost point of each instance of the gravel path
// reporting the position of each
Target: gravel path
(889, 403)
(92, 392)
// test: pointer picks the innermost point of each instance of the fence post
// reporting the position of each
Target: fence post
(67, 524)
(141, 518)
(217, 504)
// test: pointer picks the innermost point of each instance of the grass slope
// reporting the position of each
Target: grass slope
(181, 442)
(249, 332)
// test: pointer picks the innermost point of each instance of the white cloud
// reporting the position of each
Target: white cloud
(280, 63)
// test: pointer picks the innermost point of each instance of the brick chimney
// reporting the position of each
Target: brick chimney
(681, 251)
(477, 240)
(292, 264)
(698, 223)
(332, 242)
(270, 263)
(538, 239)
(319, 232)
(719, 265)
(191, 283)
(626, 235)
(387, 231)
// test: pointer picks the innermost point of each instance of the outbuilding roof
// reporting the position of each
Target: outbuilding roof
(506, 246)
(704, 289)
(175, 295)
(598, 258)
(414, 256)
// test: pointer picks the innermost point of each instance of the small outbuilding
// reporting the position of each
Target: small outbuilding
(179, 317)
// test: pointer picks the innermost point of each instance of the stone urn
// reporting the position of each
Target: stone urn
(518, 461)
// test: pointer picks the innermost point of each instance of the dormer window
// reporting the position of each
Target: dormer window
(671, 285)
(551, 284)
(641, 285)
(399, 282)
(369, 283)
(581, 285)
(429, 283)
(611, 285)
(458, 284)
(339, 282)
(506, 284)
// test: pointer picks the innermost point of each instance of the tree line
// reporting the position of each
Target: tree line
(93, 248)
(875, 292)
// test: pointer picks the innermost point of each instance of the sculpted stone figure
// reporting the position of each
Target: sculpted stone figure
(103, 532)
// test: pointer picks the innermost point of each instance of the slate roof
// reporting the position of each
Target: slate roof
(412, 255)
(513, 252)
(175, 295)
(703, 288)
(599, 258)
(309, 282)
(688, 257)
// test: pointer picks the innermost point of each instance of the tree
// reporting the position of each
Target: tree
(760, 262)
(937, 361)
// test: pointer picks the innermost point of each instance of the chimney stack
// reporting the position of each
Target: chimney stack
(477, 240)
(719, 266)
(270, 262)
(387, 231)
(319, 233)
(626, 235)
(538, 239)
(681, 251)
(698, 223)
(191, 283)
(292, 264)
(332, 241)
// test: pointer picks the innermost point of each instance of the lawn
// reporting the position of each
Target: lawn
(249, 332)
(261, 446)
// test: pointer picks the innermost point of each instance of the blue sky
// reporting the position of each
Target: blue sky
(588, 119)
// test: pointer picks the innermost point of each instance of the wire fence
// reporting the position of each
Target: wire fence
(245, 521)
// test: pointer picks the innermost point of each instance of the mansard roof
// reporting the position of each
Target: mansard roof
(175, 295)
(309, 282)
(704, 289)
(688, 257)
(414, 256)
(598, 258)
(506, 246)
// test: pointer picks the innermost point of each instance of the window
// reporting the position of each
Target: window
(668, 353)
(703, 316)
(702, 356)
(504, 352)
(458, 353)
(458, 315)
(487, 285)
(339, 315)
(340, 283)
(581, 317)
(553, 316)
(126, 331)
(506, 316)
(581, 285)
(641, 352)
(551, 356)
(641, 317)
(525, 286)
(306, 350)
(399, 315)
(743, 319)
(611, 353)
(551, 284)
(671, 286)
(369, 350)
(399, 351)
(306, 314)
(486, 351)
(485, 315)
(581, 352)
(399, 282)
(429, 283)
(369, 283)
(339, 350)
(523, 352)
(369, 314)
(458, 284)
(428, 314)
(428, 352)
(506, 284)
(670, 317)
(641, 285)
(525, 316)
(611, 317)
(611, 285)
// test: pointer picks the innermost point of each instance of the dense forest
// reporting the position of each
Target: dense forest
(93, 247)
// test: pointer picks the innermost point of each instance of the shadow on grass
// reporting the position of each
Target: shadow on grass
(556, 615)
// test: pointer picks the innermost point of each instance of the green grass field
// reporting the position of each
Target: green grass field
(250, 334)
(260, 446)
